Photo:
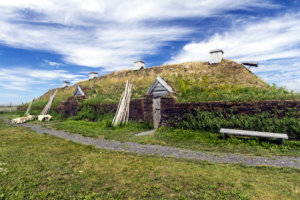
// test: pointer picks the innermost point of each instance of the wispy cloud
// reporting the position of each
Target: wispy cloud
(99, 33)
(52, 63)
(23, 79)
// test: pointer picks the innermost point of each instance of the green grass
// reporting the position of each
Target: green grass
(103, 129)
(188, 139)
(212, 142)
(45, 167)
(196, 93)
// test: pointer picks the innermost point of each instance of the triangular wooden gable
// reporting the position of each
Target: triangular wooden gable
(78, 92)
(159, 88)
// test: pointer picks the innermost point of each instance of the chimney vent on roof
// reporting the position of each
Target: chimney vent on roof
(216, 56)
(65, 84)
(138, 65)
(93, 75)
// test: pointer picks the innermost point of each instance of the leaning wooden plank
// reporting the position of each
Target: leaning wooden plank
(128, 103)
(48, 106)
(253, 133)
(119, 116)
(126, 107)
(29, 107)
(118, 109)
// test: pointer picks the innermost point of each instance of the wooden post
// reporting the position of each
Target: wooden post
(281, 141)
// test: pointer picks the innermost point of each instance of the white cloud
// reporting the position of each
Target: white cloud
(23, 78)
(52, 63)
(99, 33)
(276, 38)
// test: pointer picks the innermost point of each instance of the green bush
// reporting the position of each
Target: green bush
(213, 121)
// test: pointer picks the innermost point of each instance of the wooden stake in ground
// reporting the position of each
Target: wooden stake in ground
(29, 107)
(48, 106)
(122, 114)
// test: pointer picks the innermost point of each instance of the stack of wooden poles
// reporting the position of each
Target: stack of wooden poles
(122, 114)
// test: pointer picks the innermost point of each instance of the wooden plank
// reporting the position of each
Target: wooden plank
(156, 112)
(29, 107)
(122, 114)
(253, 133)
(253, 64)
(160, 88)
(152, 87)
(159, 94)
(48, 106)
(119, 112)
(164, 83)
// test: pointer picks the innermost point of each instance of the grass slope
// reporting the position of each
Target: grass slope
(185, 78)
(36, 166)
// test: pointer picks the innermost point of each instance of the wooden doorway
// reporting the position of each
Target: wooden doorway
(158, 89)
(156, 112)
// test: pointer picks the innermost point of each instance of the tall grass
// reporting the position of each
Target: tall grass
(196, 93)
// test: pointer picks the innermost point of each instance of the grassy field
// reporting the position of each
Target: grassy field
(36, 166)
(188, 139)
(102, 129)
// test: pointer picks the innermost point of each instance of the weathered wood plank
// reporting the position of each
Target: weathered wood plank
(122, 114)
(48, 105)
(253, 133)
(156, 112)
(159, 94)
(29, 107)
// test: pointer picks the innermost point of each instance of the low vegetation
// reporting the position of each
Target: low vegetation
(45, 167)
(267, 122)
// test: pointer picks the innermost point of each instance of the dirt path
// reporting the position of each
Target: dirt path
(168, 151)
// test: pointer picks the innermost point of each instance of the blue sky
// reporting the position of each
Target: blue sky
(45, 42)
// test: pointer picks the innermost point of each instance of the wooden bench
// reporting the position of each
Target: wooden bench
(279, 136)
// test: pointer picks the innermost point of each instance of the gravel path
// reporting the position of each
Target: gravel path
(168, 151)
